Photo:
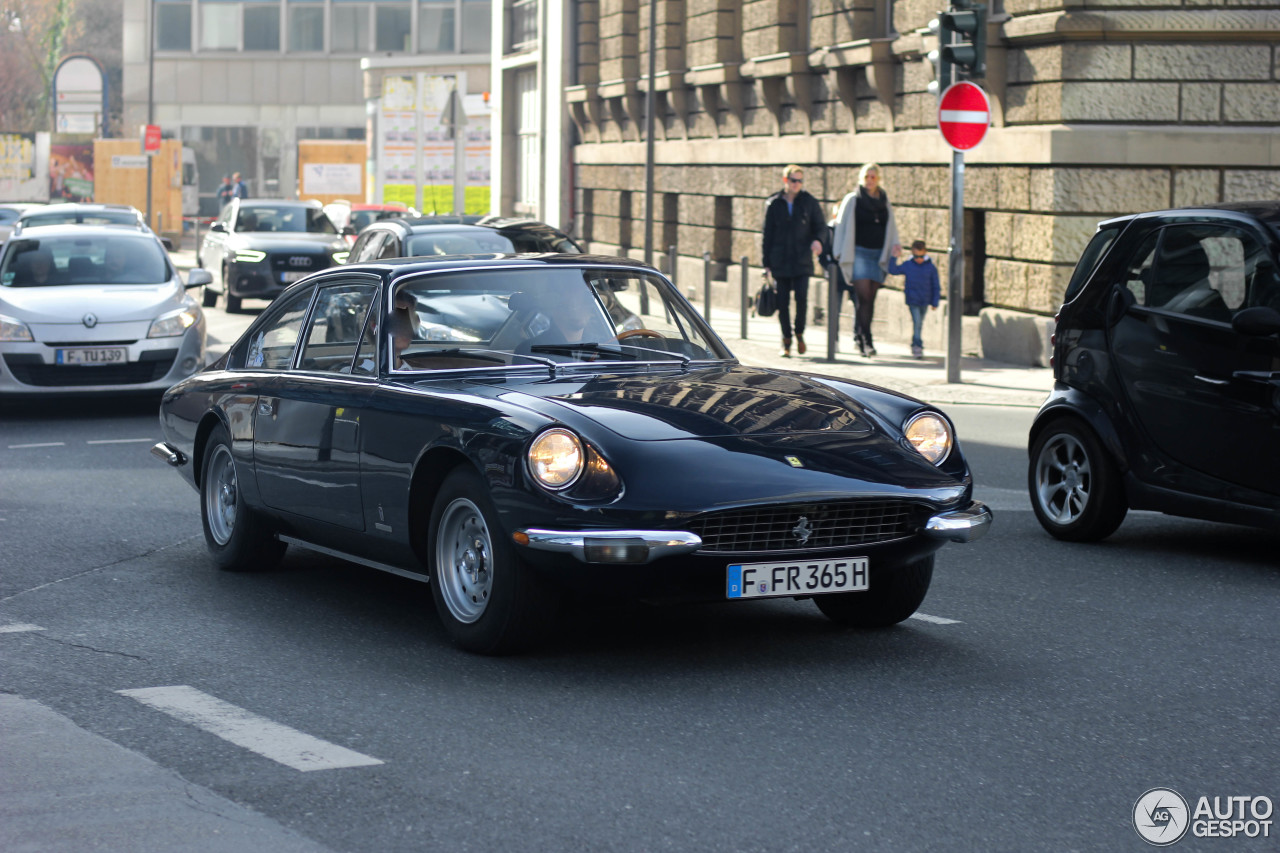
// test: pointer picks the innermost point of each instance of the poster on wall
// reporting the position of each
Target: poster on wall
(18, 180)
(478, 150)
(71, 172)
(397, 140)
(438, 146)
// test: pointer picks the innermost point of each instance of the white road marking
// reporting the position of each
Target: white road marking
(18, 628)
(120, 441)
(269, 739)
(41, 444)
(936, 620)
(1005, 500)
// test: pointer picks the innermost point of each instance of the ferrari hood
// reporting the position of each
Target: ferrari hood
(722, 402)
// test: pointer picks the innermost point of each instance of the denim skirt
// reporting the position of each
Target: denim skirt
(866, 264)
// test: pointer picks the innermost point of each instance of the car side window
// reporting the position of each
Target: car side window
(1199, 271)
(390, 247)
(366, 246)
(271, 348)
(336, 326)
(1140, 268)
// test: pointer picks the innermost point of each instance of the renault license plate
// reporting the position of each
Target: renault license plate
(92, 356)
(797, 577)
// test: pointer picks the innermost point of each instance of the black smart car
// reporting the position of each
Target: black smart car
(1167, 375)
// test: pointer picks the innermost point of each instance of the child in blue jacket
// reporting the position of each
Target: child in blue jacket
(921, 288)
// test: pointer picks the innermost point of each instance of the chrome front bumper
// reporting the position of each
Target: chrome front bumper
(960, 525)
(611, 546)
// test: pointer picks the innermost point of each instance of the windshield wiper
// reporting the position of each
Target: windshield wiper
(591, 346)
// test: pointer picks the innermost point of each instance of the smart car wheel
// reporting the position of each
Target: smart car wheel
(488, 600)
(1075, 488)
(236, 537)
(891, 596)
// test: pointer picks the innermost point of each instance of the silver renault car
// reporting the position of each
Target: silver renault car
(95, 308)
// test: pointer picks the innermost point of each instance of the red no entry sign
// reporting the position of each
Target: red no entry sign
(964, 113)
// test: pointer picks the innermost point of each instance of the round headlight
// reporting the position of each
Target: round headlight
(930, 434)
(556, 458)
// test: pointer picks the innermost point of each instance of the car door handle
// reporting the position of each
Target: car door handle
(268, 407)
(1211, 380)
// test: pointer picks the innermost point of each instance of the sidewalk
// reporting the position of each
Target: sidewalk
(982, 381)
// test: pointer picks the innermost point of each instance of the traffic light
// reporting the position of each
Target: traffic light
(940, 58)
(964, 26)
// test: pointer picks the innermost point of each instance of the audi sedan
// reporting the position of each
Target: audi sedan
(258, 247)
(95, 308)
(535, 453)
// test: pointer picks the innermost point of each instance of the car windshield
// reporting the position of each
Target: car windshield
(544, 315)
(361, 218)
(98, 259)
(479, 241)
(282, 218)
(79, 217)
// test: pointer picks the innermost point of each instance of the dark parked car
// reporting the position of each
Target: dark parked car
(433, 236)
(511, 454)
(1166, 393)
(258, 247)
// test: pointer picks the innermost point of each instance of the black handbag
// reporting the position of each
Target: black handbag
(766, 301)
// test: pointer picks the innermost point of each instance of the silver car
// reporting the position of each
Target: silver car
(95, 308)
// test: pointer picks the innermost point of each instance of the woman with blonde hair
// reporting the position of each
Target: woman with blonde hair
(864, 237)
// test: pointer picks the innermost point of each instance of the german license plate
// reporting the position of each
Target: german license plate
(92, 356)
(288, 277)
(797, 577)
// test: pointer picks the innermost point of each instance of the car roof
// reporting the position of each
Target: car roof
(278, 202)
(83, 231)
(498, 261)
(1266, 211)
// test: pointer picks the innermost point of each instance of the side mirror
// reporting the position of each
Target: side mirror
(1257, 322)
(220, 227)
(198, 278)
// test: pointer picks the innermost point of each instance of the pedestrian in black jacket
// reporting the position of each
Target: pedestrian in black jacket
(794, 231)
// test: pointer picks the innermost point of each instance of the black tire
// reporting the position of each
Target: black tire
(209, 298)
(1074, 484)
(237, 538)
(892, 595)
(490, 602)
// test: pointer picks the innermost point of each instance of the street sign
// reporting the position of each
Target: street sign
(964, 114)
(151, 139)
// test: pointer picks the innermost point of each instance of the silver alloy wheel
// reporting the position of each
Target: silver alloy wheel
(221, 495)
(1063, 479)
(464, 555)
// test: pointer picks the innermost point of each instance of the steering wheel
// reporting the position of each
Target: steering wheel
(639, 333)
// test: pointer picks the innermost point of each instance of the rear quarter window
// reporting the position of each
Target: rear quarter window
(1089, 261)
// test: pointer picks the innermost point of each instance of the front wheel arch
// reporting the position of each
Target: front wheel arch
(428, 474)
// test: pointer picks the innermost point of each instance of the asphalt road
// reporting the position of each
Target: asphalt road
(1050, 687)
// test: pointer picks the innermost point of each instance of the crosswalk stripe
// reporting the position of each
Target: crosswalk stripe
(267, 738)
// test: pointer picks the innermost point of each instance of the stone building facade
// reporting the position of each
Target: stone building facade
(1099, 108)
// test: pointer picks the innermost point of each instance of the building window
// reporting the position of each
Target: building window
(476, 15)
(219, 26)
(524, 25)
(527, 156)
(262, 27)
(436, 22)
(394, 27)
(306, 27)
(349, 31)
(173, 26)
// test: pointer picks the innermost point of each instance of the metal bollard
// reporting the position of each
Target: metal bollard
(671, 263)
(706, 286)
(833, 312)
(744, 299)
